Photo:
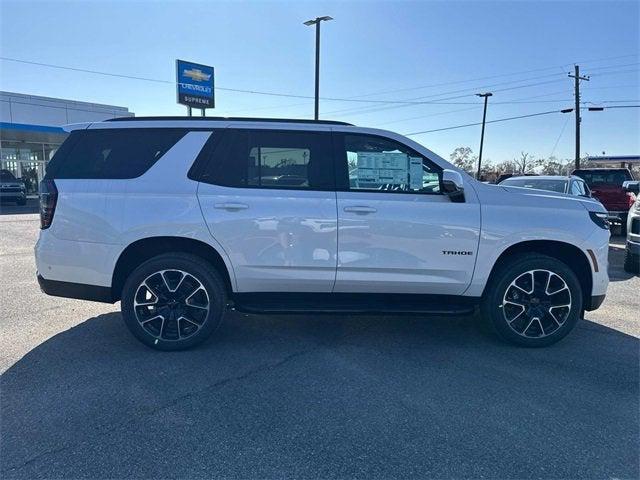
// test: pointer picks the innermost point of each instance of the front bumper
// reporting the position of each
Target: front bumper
(13, 195)
(633, 247)
(618, 217)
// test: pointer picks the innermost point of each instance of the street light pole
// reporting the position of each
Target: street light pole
(484, 119)
(316, 22)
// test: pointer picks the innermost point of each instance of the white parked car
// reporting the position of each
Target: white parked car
(572, 184)
(183, 218)
(632, 247)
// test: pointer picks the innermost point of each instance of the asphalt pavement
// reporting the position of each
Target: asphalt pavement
(310, 396)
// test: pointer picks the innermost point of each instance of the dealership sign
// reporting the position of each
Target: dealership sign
(194, 84)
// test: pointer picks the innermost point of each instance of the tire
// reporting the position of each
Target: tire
(173, 301)
(631, 262)
(623, 229)
(518, 308)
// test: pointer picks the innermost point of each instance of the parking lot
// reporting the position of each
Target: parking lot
(310, 396)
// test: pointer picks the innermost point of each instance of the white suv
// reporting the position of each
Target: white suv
(182, 218)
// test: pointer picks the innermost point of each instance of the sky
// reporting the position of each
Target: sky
(398, 51)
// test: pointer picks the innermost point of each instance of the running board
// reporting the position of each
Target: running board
(360, 303)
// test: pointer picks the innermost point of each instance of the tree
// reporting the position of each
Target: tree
(552, 166)
(463, 158)
(526, 163)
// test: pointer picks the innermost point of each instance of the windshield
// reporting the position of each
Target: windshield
(6, 176)
(559, 186)
(603, 177)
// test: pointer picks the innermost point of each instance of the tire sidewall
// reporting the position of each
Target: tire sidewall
(193, 265)
(492, 303)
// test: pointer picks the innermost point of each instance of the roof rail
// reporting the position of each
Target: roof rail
(228, 119)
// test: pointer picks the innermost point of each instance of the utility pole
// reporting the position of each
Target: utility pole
(576, 76)
(316, 22)
(484, 119)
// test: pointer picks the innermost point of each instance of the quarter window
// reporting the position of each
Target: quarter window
(376, 163)
(113, 153)
(577, 188)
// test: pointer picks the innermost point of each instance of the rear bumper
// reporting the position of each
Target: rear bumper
(94, 293)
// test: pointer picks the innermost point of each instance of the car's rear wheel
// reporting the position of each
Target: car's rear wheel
(173, 301)
(533, 300)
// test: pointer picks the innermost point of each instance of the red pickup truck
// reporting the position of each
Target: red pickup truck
(606, 186)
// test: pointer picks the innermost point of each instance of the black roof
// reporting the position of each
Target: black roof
(230, 119)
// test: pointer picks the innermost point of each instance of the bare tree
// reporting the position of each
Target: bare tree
(463, 158)
(526, 163)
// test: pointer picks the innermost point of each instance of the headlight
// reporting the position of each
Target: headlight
(601, 219)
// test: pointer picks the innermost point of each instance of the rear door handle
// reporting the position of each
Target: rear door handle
(360, 209)
(231, 206)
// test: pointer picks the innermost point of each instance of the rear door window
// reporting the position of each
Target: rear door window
(272, 159)
(116, 153)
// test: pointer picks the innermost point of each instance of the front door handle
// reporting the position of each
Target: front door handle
(360, 209)
(231, 206)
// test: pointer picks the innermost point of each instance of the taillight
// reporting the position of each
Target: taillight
(631, 198)
(601, 219)
(48, 200)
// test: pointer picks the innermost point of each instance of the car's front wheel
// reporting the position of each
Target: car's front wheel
(631, 262)
(173, 301)
(533, 300)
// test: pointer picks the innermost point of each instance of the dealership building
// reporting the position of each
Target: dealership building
(31, 131)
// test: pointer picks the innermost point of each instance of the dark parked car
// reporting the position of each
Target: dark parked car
(504, 176)
(12, 189)
(606, 186)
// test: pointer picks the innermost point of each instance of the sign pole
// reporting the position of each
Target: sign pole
(188, 110)
(202, 112)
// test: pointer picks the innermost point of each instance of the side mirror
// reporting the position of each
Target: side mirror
(631, 186)
(453, 185)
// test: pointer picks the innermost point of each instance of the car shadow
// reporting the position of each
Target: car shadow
(323, 397)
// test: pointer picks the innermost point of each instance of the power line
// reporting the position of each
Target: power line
(257, 92)
(510, 118)
(480, 123)
(555, 145)
(472, 108)
(502, 75)
(441, 101)
(357, 99)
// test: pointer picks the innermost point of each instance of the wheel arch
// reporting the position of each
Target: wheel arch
(142, 250)
(567, 253)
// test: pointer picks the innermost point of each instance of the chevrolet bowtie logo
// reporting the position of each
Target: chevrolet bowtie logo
(197, 75)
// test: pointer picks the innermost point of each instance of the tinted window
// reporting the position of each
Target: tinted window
(111, 153)
(559, 186)
(380, 164)
(604, 177)
(272, 159)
